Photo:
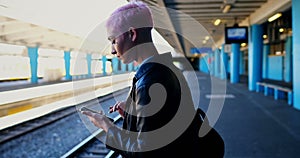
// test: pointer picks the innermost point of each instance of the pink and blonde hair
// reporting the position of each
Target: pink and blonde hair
(134, 14)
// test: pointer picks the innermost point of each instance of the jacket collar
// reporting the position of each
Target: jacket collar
(164, 59)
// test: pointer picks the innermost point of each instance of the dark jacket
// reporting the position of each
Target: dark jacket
(160, 117)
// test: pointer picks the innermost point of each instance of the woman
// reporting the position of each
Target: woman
(159, 115)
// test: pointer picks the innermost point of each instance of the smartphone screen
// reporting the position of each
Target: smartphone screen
(87, 109)
(94, 111)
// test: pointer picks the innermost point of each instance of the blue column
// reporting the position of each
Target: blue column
(67, 57)
(234, 65)
(242, 63)
(200, 66)
(130, 67)
(104, 60)
(89, 64)
(255, 56)
(209, 61)
(33, 56)
(135, 67)
(296, 54)
(224, 63)
(217, 62)
(115, 64)
(212, 63)
(228, 65)
(123, 67)
(265, 61)
(203, 64)
(288, 60)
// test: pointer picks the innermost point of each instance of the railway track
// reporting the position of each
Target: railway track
(91, 147)
(28, 126)
(18, 130)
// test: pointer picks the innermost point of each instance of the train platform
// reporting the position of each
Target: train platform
(251, 124)
(30, 101)
(21, 84)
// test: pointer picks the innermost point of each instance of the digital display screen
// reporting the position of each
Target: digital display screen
(236, 35)
(201, 50)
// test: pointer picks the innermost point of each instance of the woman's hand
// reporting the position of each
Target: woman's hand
(119, 106)
(99, 120)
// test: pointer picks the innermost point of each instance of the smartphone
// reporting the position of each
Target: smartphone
(94, 111)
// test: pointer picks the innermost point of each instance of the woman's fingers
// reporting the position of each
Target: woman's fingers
(114, 107)
(98, 119)
(119, 106)
(88, 113)
(111, 109)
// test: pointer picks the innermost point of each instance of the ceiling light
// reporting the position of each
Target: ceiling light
(281, 30)
(206, 37)
(226, 8)
(274, 17)
(243, 44)
(204, 41)
(217, 22)
(265, 36)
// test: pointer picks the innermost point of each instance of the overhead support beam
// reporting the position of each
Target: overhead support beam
(190, 1)
(186, 5)
(211, 15)
(3, 19)
(257, 4)
(21, 33)
(248, 9)
(207, 10)
(10, 22)
(16, 29)
(262, 14)
(166, 27)
(49, 36)
(212, 10)
(36, 32)
(193, 6)
(226, 21)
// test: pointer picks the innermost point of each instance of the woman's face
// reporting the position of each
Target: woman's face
(121, 44)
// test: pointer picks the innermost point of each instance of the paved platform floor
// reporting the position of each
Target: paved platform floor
(20, 84)
(253, 125)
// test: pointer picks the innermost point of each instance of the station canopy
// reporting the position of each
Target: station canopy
(56, 24)
(79, 25)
